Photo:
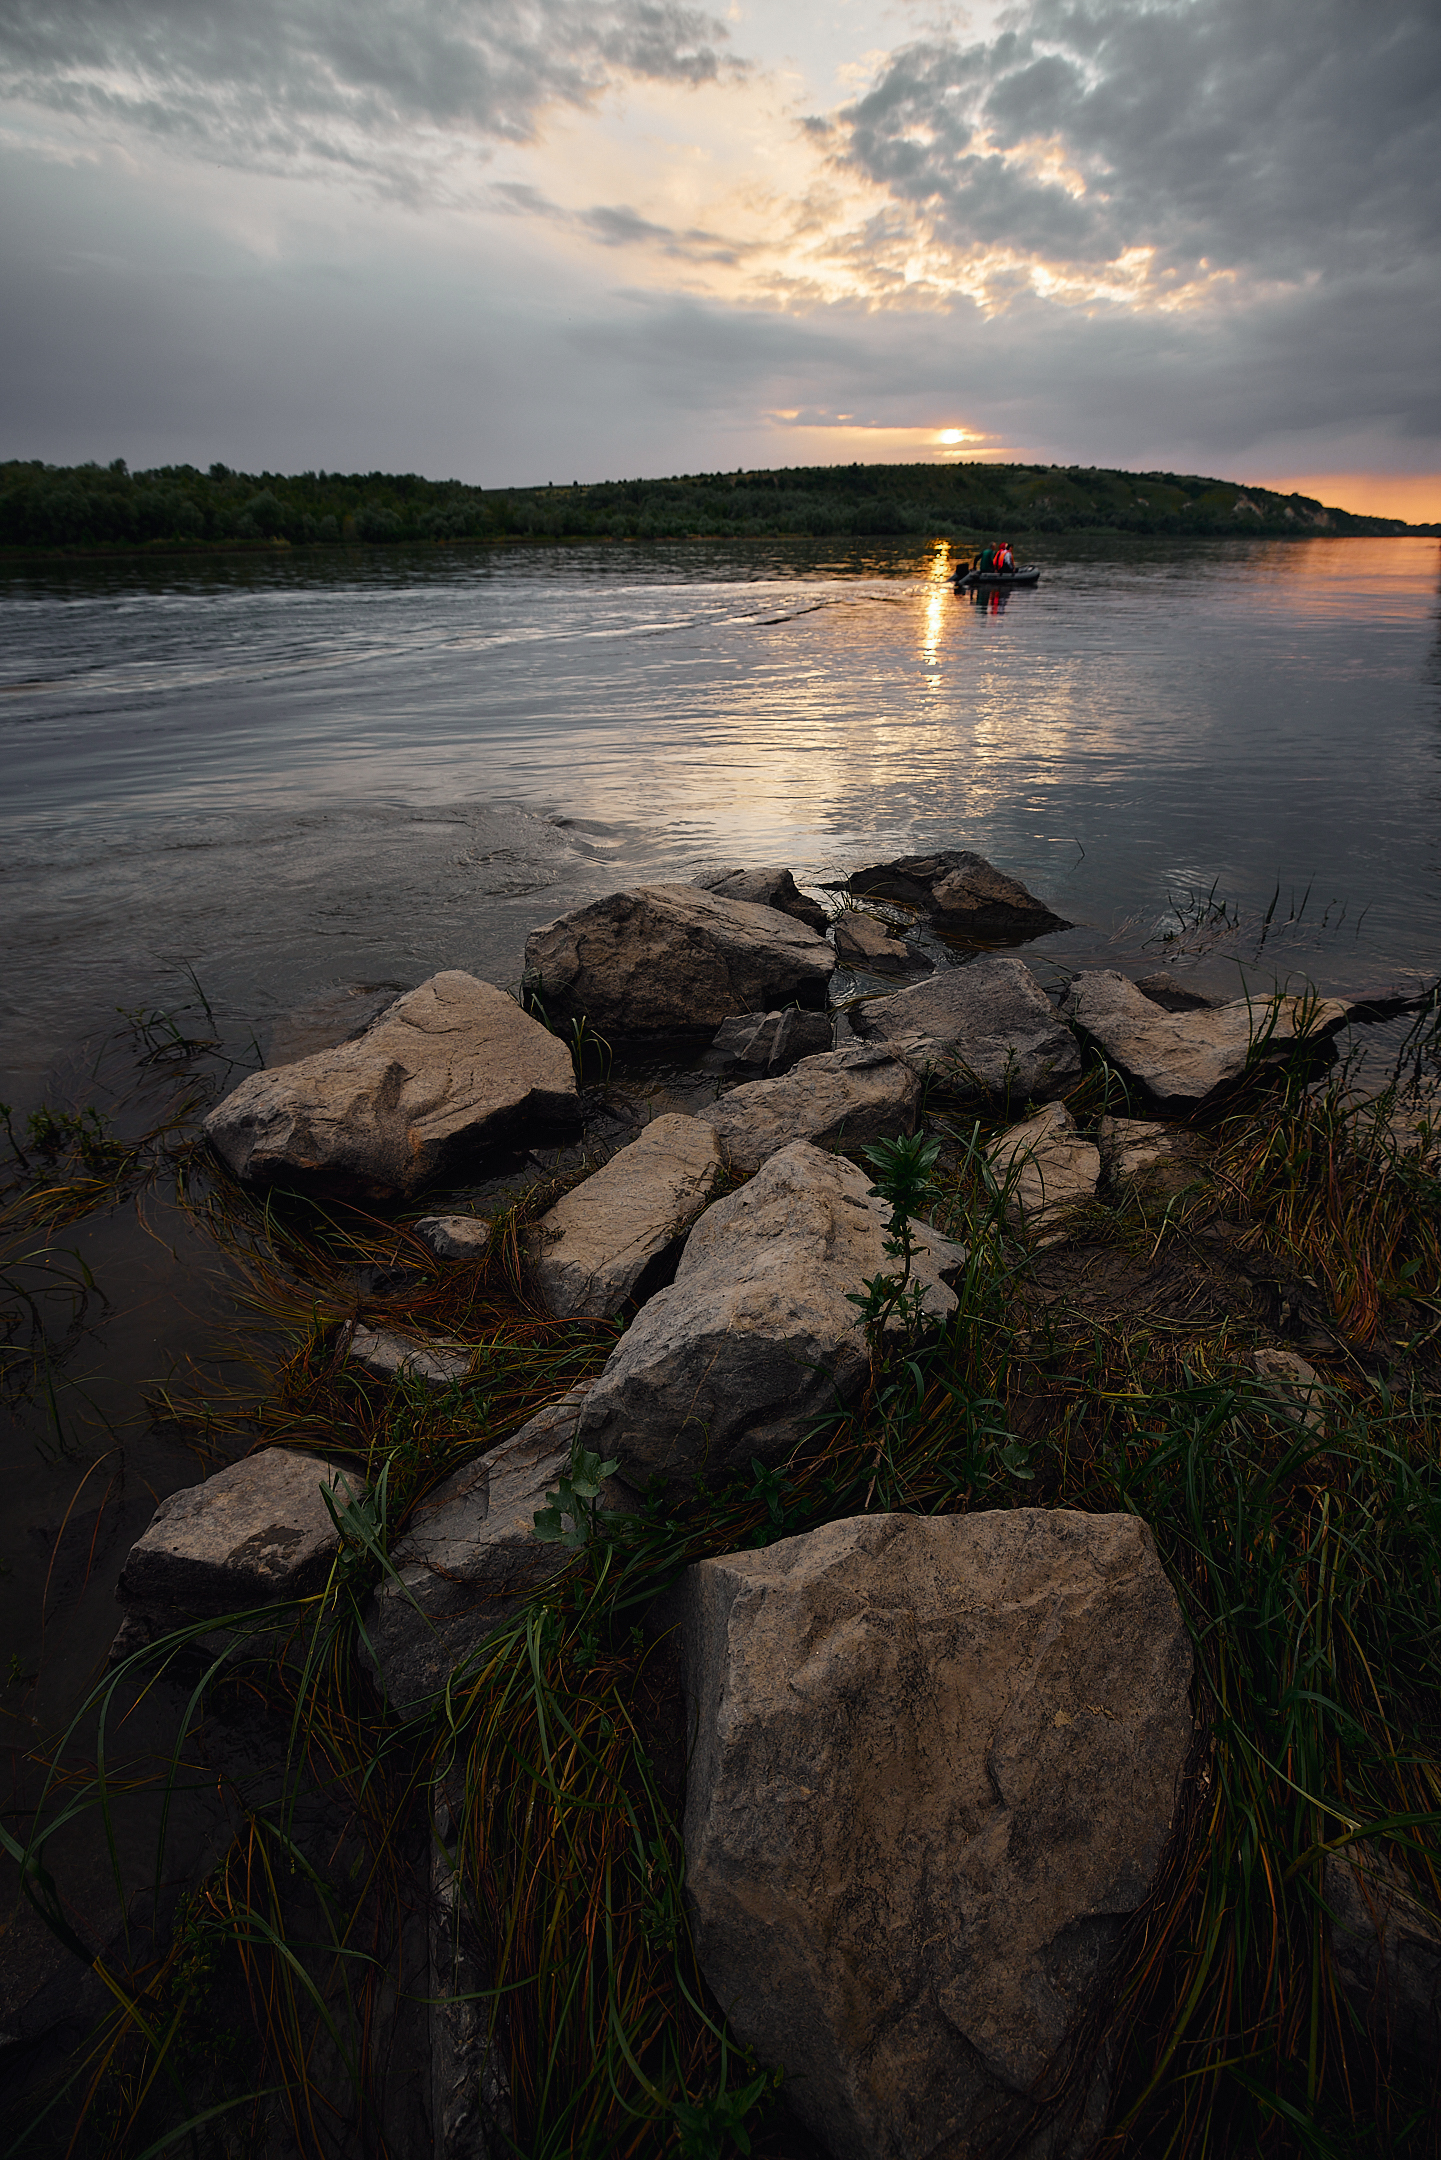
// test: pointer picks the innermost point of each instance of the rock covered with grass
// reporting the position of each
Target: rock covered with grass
(601, 1242)
(1183, 1059)
(987, 1030)
(756, 1337)
(446, 1072)
(469, 1557)
(1048, 1168)
(838, 1099)
(935, 1768)
(673, 960)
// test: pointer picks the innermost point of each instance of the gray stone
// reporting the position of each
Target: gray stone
(598, 1245)
(454, 1237)
(469, 1557)
(444, 1073)
(755, 1337)
(1055, 1170)
(388, 1356)
(768, 888)
(1184, 1058)
(469, 2089)
(986, 1030)
(1385, 1949)
(964, 891)
(862, 942)
(767, 1044)
(672, 960)
(255, 1533)
(1137, 1151)
(838, 1099)
(1296, 1386)
(935, 1763)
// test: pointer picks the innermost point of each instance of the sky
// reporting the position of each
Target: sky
(513, 241)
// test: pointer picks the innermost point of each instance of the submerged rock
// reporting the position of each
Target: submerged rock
(1055, 1169)
(1184, 1058)
(836, 1100)
(469, 1557)
(255, 1533)
(768, 1044)
(935, 1767)
(444, 1073)
(755, 1338)
(768, 888)
(963, 891)
(672, 960)
(986, 1030)
(596, 1246)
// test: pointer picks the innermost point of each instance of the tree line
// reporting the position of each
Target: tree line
(100, 508)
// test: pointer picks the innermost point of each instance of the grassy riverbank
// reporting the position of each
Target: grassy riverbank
(1112, 1371)
(90, 509)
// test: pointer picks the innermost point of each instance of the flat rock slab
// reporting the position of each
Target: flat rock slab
(469, 1557)
(755, 1338)
(862, 942)
(986, 1030)
(597, 1246)
(1163, 989)
(935, 1767)
(768, 888)
(768, 1044)
(672, 960)
(444, 1073)
(838, 1099)
(257, 1532)
(454, 1237)
(385, 1355)
(1138, 1151)
(963, 891)
(1055, 1169)
(1184, 1058)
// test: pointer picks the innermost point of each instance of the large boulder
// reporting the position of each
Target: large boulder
(986, 1030)
(935, 1764)
(963, 891)
(596, 1246)
(768, 888)
(1184, 1058)
(256, 1533)
(755, 1338)
(1049, 1167)
(448, 1070)
(469, 1557)
(672, 960)
(840, 1098)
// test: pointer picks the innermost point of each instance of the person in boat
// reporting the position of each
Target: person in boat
(987, 561)
(1005, 561)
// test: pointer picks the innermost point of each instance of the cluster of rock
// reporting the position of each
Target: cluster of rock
(935, 1761)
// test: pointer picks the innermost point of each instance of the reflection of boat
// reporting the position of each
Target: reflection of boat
(994, 580)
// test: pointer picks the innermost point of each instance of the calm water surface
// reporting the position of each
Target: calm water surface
(292, 777)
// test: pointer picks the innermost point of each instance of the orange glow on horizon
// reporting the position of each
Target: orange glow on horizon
(1416, 497)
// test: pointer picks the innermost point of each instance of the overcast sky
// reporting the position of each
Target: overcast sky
(528, 240)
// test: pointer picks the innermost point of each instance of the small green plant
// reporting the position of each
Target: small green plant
(904, 1179)
(573, 1515)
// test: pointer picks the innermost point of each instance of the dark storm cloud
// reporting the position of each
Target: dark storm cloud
(1284, 139)
(278, 83)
